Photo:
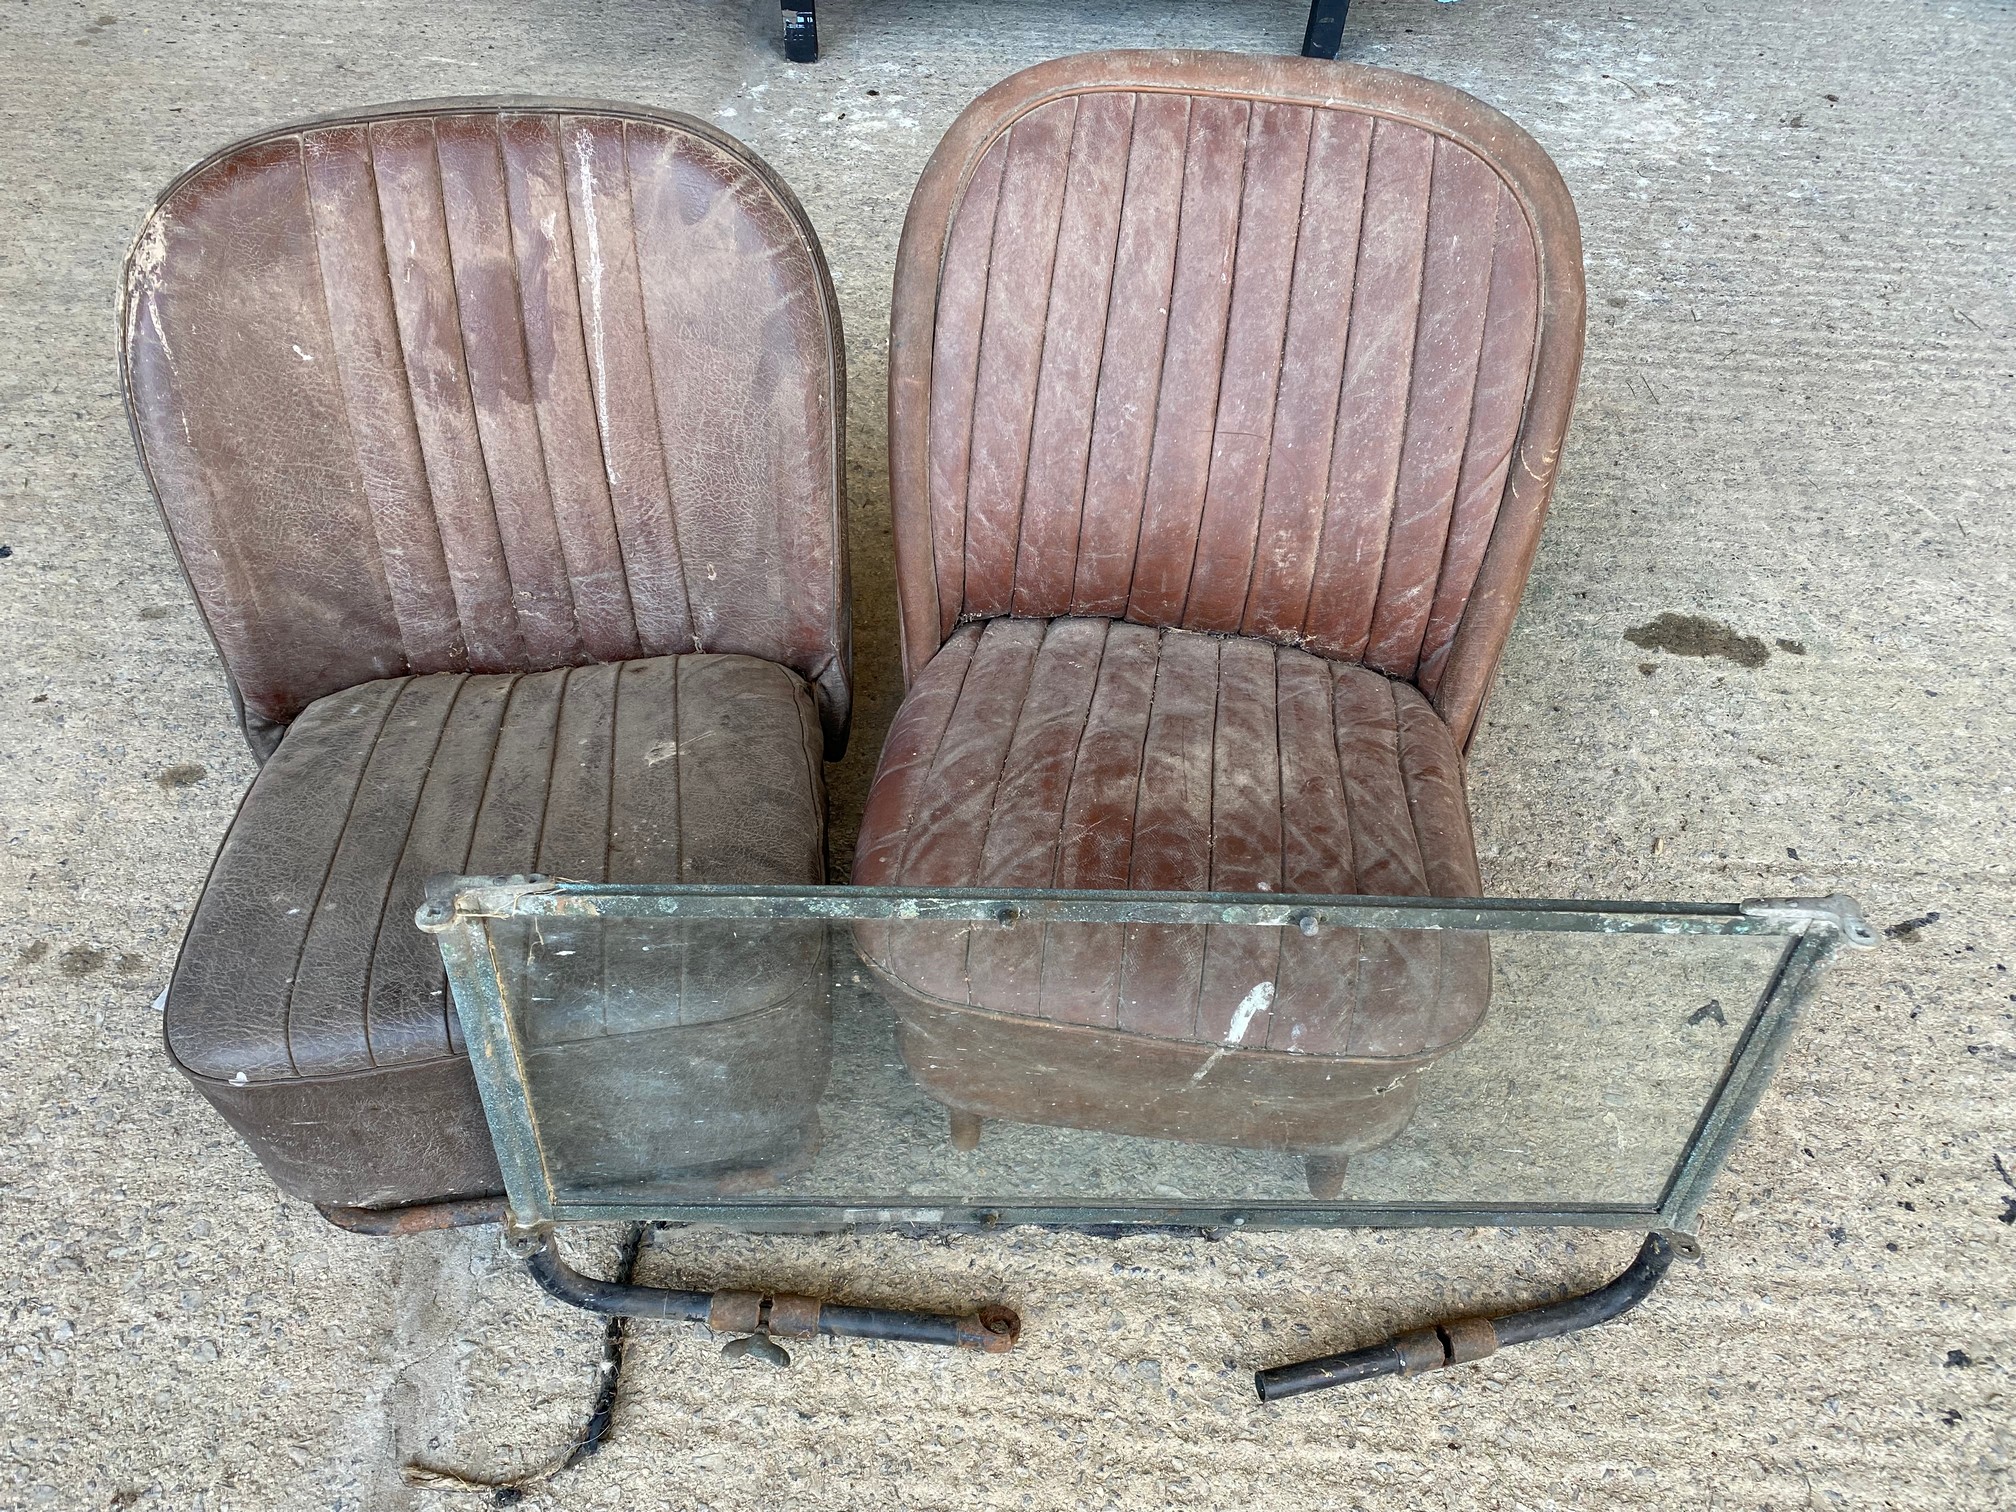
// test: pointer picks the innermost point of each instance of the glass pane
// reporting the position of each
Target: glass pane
(839, 1066)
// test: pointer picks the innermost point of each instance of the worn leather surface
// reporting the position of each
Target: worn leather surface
(1276, 348)
(304, 994)
(492, 389)
(642, 1090)
(546, 393)
(1226, 396)
(1091, 753)
(1238, 366)
(1028, 1071)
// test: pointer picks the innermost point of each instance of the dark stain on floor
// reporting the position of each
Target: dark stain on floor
(1907, 929)
(188, 774)
(81, 960)
(1697, 635)
(1712, 1009)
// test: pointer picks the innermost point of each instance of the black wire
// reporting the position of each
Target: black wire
(608, 1375)
(614, 1338)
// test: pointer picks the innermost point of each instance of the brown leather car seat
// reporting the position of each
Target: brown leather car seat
(1225, 400)
(501, 445)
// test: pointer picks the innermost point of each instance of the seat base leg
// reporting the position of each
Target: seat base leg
(1326, 1175)
(965, 1129)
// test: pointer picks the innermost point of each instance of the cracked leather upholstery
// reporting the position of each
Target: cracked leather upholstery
(492, 390)
(1271, 347)
(311, 1010)
(501, 445)
(1086, 753)
(1226, 397)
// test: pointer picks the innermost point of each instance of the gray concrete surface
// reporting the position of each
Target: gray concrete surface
(1795, 421)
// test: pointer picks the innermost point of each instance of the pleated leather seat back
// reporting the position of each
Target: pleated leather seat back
(1253, 346)
(484, 387)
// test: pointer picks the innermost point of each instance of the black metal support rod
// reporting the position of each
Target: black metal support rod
(563, 1283)
(992, 1330)
(1467, 1339)
(1573, 1314)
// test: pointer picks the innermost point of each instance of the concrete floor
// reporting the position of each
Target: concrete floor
(1801, 232)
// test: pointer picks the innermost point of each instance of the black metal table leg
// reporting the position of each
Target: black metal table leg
(1467, 1339)
(992, 1330)
(801, 31)
(1326, 28)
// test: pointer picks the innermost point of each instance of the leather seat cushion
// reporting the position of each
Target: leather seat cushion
(1091, 753)
(313, 1012)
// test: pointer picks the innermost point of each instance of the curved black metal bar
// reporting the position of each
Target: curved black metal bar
(1573, 1314)
(1467, 1339)
(993, 1330)
(563, 1283)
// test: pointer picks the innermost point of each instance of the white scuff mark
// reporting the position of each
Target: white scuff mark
(150, 251)
(304, 356)
(1250, 1007)
(1209, 1061)
(161, 333)
(584, 146)
(665, 750)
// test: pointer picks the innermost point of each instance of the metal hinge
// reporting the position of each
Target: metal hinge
(1840, 913)
(447, 899)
